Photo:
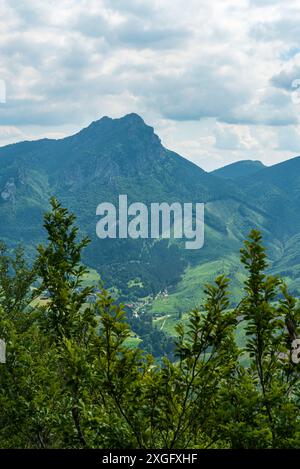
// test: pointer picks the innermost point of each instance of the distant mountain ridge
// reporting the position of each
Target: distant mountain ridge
(125, 156)
(239, 169)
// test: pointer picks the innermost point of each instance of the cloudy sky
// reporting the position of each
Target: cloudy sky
(216, 78)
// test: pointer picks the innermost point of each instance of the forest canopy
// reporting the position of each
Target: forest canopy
(72, 381)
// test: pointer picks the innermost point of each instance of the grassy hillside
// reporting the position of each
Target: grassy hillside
(125, 156)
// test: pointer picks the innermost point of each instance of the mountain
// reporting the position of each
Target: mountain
(108, 158)
(125, 156)
(239, 169)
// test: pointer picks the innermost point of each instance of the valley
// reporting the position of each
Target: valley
(125, 156)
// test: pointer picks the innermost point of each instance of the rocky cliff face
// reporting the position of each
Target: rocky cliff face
(8, 193)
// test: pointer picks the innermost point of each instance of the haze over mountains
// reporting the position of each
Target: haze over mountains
(125, 156)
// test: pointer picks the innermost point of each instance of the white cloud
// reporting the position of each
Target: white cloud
(221, 69)
(234, 137)
(289, 139)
